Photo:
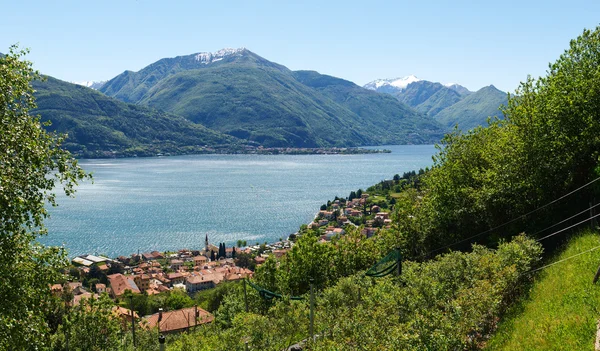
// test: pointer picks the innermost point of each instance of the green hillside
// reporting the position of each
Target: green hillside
(449, 105)
(98, 125)
(378, 113)
(562, 308)
(244, 95)
(428, 97)
(133, 86)
(473, 110)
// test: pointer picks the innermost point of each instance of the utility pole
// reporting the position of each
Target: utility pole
(312, 310)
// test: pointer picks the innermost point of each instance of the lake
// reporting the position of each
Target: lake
(170, 203)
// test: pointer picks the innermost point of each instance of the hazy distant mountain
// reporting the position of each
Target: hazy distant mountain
(99, 125)
(474, 109)
(91, 84)
(242, 94)
(391, 86)
(449, 104)
(396, 85)
(428, 97)
(458, 88)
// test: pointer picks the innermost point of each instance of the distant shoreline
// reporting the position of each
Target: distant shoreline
(238, 151)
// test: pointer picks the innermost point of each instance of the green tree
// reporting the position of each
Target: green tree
(245, 260)
(92, 325)
(32, 165)
(178, 299)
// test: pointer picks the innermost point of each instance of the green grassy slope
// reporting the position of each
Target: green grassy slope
(562, 308)
(98, 125)
(473, 110)
(249, 97)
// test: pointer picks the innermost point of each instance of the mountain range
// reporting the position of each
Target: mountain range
(235, 98)
(449, 104)
(237, 92)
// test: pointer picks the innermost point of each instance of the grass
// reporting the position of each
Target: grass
(562, 308)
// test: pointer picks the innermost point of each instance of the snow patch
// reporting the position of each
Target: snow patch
(403, 82)
(90, 84)
(396, 83)
(210, 57)
(86, 83)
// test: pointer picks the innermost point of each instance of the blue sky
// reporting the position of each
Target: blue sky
(474, 44)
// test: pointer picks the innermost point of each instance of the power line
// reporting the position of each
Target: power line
(564, 259)
(564, 220)
(512, 220)
(569, 227)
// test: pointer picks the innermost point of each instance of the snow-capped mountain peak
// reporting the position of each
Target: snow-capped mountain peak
(210, 57)
(403, 82)
(397, 84)
(91, 84)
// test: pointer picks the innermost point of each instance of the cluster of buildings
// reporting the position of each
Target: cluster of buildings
(332, 220)
(188, 270)
(153, 273)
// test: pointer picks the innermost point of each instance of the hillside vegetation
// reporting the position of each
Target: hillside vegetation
(249, 97)
(473, 110)
(428, 97)
(450, 105)
(479, 189)
(100, 126)
(561, 310)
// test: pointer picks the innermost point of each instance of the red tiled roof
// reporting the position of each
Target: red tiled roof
(175, 275)
(179, 320)
(119, 283)
(122, 311)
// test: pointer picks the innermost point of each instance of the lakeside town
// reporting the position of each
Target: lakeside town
(233, 149)
(190, 271)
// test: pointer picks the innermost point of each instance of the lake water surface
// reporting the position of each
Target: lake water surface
(170, 203)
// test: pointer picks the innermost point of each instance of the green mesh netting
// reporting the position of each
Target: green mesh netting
(387, 265)
(269, 295)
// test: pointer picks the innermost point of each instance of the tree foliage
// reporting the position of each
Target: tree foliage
(32, 165)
